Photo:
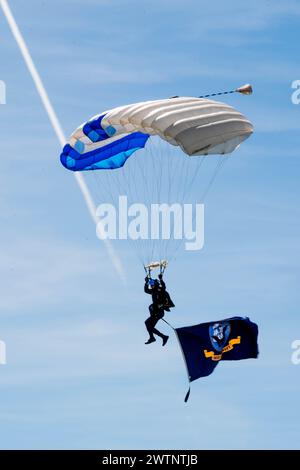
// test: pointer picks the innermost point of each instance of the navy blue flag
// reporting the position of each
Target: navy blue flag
(206, 344)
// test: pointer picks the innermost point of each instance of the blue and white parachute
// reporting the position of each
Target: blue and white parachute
(148, 146)
(198, 126)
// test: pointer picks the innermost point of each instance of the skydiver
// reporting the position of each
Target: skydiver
(161, 301)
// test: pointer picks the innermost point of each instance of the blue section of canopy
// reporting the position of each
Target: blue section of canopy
(94, 131)
(107, 157)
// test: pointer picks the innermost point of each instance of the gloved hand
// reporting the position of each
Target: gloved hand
(146, 279)
(160, 276)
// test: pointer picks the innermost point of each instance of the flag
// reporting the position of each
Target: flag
(206, 344)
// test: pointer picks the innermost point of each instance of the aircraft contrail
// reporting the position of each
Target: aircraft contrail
(57, 128)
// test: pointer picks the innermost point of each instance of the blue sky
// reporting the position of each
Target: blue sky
(78, 374)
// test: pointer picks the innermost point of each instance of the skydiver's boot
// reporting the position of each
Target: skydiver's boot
(150, 340)
(165, 339)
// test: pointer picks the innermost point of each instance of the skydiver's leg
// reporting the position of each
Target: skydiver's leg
(158, 316)
(157, 333)
(150, 323)
(155, 315)
(150, 327)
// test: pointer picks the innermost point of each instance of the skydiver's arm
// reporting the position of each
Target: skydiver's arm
(146, 287)
(162, 283)
(147, 290)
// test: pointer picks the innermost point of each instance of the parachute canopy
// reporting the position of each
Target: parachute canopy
(199, 126)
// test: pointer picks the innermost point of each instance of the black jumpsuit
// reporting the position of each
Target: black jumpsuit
(156, 309)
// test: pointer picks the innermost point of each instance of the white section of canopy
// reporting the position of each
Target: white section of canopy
(199, 126)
